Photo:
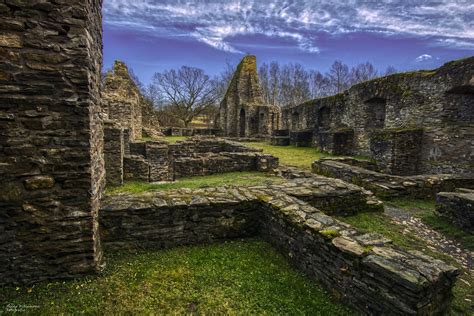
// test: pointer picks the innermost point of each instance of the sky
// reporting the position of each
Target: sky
(155, 35)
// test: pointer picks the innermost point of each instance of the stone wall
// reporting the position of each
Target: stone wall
(363, 270)
(114, 152)
(207, 164)
(440, 102)
(51, 139)
(457, 207)
(387, 185)
(160, 161)
(242, 112)
(397, 151)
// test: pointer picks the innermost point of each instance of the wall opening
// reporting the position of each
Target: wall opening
(261, 123)
(242, 123)
(295, 121)
(324, 117)
(375, 112)
(459, 106)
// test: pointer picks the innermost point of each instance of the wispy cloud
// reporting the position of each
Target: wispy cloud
(423, 57)
(215, 22)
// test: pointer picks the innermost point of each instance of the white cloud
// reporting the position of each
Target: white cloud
(423, 57)
(214, 22)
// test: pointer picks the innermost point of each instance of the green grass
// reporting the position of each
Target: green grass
(380, 223)
(234, 278)
(174, 139)
(301, 157)
(216, 180)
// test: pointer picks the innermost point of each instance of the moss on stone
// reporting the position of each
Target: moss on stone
(330, 233)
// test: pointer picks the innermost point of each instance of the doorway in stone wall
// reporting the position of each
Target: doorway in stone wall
(242, 123)
(375, 113)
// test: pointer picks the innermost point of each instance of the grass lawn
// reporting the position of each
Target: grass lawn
(216, 180)
(301, 157)
(233, 278)
(380, 223)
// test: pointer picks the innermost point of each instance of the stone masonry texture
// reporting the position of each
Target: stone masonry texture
(51, 139)
(438, 103)
(242, 111)
(363, 270)
(457, 207)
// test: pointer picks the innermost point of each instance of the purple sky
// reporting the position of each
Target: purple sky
(153, 35)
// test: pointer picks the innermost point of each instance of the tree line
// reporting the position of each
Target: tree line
(186, 93)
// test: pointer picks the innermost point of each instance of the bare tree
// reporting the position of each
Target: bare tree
(187, 92)
(390, 70)
(222, 81)
(362, 72)
(274, 82)
(294, 85)
(264, 78)
(339, 76)
(320, 85)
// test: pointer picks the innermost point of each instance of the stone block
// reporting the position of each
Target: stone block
(457, 207)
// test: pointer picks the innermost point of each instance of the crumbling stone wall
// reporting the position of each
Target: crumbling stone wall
(51, 139)
(160, 161)
(122, 101)
(363, 270)
(438, 102)
(242, 111)
(366, 175)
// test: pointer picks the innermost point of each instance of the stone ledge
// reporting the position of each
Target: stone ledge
(386, 185)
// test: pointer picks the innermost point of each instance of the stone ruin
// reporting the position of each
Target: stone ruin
(54, 163)
(414, 131)
(242, 112)
(409, 123)
(124, 105)
(154, 161)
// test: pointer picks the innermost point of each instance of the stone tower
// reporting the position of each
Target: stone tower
(242, 111)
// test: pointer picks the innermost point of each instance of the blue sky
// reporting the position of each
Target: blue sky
(153, 35)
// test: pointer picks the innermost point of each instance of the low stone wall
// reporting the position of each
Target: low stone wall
(161, 220)
(136, 168)
(160, 161)
(363, 270)
(334, 196)
(194, 147)
(457, 207)
(385, 185)
(181, 131)
(221, 163)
